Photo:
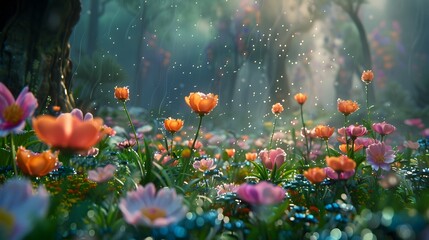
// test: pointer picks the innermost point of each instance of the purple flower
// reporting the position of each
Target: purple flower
(13, 113)
(332, 174)
(79, 114)
(20, 208)
(383, 128)
(380, 155)
(102, 174)
(145, 206)
(263, 193)
(272, 157)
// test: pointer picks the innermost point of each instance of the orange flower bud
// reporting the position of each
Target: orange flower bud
(186, 153)
(122, 93)
(300, 98)
(251, 156)
(323, 131)
(343, 148)
(277, 108)
(56, 108)
(173, 125)
(347, 107)
(36, 164)
(201, 103)
(230, 152)
(367, 76)
(341, 163)
(315, 175)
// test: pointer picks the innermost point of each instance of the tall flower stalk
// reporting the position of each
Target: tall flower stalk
(201, 104)
(122, 95)
(367, 77)
(300, 99)
(276, 110)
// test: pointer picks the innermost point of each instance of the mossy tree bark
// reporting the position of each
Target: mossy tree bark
(34, 49)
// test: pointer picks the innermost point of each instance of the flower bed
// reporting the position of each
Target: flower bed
(71, 176)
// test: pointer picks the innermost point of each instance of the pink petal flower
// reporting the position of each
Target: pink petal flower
(383, 128)
(263, 193)
(272, 157)
(102, 174)
(146, 206)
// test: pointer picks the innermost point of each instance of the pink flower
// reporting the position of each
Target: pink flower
(380, 155)
(102, 174)
(383, 128)
(226, 188)
(416, 122)
(14, 113)
(204, 164)
(165, 159)
(332, 174)
(355, 131)
(365, 141)
(263, 193)
(145, 206)
(272, 157)
(411, 145)
(425, 132)
(20, 208)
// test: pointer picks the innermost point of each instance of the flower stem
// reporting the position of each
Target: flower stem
(137, 140)
(12, 149)
(171, 145)
(327, 147)
(305, 136)
(272, 134)
(367, 106)
(196, 134)
(345, 134)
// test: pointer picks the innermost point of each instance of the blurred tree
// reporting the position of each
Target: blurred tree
(152, 15)
(352, 7)
(97, 9)
(34, 48)
(97, 75)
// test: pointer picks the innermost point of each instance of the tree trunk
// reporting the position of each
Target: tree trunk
(93, 27)
(34, 49)
(366, 53)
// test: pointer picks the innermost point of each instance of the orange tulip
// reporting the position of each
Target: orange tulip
(36, 164)
(343, 148)
(300, 98)
(323, 131)
(347, 107)
(277, 108)
(315, 175)
(367, 76)
(230, 152)
(251, 156)
(173, 125)
(341, 163)
(201, 103)
(122, 93)
(68, 132)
